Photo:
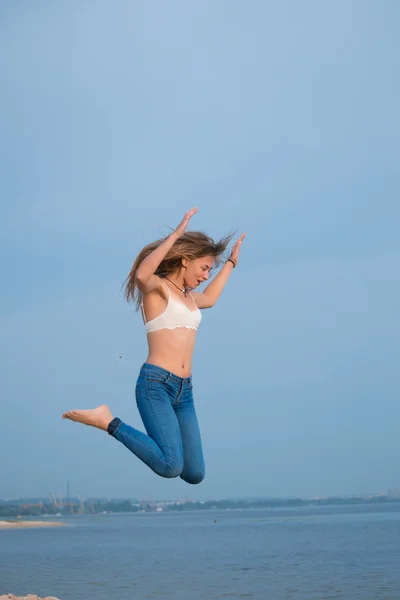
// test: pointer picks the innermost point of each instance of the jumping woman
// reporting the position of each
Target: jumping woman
(160, 281)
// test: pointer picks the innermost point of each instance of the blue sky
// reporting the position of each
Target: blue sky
(279, 119)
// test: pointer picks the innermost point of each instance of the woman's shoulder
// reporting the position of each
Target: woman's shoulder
(153, 286)
(156, 289)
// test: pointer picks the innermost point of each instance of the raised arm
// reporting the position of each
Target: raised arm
(146, 279)
(209, 297)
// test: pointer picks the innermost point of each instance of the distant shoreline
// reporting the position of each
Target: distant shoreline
(40, 509)
(28, 524)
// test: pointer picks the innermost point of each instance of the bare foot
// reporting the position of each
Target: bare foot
(98, 417)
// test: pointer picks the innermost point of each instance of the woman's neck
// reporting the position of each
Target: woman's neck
(177, 279)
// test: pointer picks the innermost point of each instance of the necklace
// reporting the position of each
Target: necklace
(177, 286)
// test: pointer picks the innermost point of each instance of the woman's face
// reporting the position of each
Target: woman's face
(198, 270)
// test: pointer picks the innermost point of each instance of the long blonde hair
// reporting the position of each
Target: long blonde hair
(191, 245)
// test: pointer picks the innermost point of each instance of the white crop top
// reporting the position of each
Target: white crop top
(176, 314)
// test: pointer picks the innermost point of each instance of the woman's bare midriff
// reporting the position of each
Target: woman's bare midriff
(172, 349)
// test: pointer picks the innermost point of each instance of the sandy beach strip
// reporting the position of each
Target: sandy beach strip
(28, 524)
(29, 597)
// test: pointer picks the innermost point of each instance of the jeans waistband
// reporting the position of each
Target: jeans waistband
(149, 367)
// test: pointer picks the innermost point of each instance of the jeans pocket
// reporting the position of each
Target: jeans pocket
(156, 377)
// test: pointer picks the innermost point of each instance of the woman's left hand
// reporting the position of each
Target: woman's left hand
(236, 248)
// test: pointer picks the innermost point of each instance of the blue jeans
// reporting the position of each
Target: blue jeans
(172, 447)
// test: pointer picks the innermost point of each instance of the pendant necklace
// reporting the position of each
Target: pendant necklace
(177, 286)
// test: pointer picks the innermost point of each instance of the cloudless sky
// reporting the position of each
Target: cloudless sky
(280, 119)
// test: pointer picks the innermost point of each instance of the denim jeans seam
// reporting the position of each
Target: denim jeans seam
(148, 449)
(165, 444)
(187, 470)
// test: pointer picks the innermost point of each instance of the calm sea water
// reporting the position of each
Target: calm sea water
(304, 554)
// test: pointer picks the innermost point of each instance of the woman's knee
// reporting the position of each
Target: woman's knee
(173, 469)
(193, 477)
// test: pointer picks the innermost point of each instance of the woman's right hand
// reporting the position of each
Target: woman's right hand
(180, 230)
